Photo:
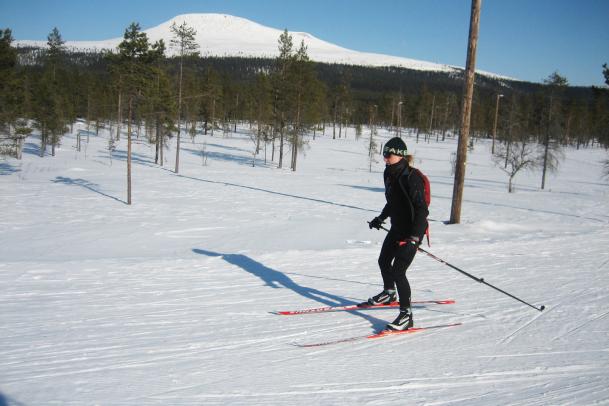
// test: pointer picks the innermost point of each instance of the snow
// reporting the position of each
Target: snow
(170, 300)
(225, 35)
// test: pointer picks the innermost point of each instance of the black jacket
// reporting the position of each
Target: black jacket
(405, 194)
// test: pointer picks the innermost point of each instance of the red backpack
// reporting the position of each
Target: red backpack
(425, 184)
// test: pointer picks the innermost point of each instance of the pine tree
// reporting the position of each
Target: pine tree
(52, 110)
(164, 111)
(55, 51)
(317, 107)
(191, 102)
(11, 92)
(48, 112)
(551, 151)
(342, 102)
(184, 40)
(301, 78)
(422, 116)
(8, 54)
(309, 96)
(135, 64)
(211, 92)
(262, 110)
(282, 88)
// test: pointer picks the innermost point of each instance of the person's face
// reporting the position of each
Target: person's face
(391, 159)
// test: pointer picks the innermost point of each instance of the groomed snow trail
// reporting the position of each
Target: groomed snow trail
(170, 300)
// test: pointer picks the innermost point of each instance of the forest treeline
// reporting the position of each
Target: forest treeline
(48, 89)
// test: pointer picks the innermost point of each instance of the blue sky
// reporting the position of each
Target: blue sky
(525, 39)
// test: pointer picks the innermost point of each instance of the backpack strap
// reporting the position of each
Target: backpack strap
(410, 171)
(410, 205)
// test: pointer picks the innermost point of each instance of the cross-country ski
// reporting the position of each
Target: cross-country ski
(381, 334)
(356, 307)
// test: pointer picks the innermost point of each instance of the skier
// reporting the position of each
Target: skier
(406, 206)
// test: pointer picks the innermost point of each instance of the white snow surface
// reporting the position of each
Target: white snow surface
(230, 36)
(170, 301)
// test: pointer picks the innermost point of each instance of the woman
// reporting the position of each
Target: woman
(405, 195)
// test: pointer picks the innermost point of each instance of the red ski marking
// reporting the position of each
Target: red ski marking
(411, 330)
(384, 333)
(357, 307)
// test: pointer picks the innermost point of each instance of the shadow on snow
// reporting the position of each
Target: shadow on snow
(7, 169)
(121, 155)
(311, 199)
(276, 279)
(85, 184)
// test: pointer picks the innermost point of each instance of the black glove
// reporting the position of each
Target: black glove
(376, 222)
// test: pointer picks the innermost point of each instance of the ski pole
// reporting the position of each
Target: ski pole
(480, 280)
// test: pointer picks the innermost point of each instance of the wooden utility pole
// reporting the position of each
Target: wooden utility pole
(466, 110)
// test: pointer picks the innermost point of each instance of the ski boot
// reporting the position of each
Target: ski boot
(385, 297)
(402, 322)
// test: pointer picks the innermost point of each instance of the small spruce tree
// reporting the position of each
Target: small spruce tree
(184, 41)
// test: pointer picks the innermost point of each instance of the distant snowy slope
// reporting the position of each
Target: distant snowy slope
(225, 35)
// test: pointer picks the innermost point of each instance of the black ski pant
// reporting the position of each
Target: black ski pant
(394, 260)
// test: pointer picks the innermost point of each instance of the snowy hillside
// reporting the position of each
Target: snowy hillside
(170, 301)
(225, 35)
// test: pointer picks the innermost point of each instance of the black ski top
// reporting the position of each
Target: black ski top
(405, 194)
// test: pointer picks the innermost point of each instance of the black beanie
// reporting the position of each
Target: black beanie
(395, 146)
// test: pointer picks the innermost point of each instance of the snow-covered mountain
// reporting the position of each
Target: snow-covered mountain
(226, 35)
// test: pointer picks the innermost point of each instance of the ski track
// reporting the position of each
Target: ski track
(513, 334)
(579, 326)
(535, 379)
